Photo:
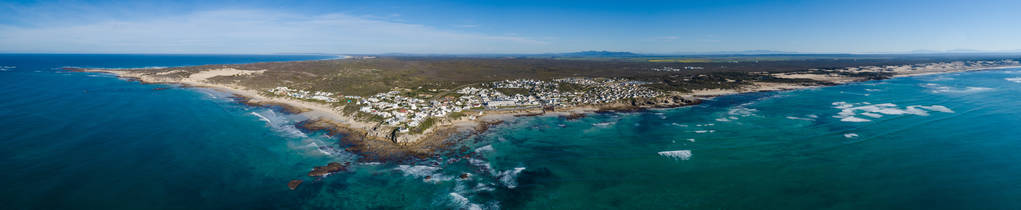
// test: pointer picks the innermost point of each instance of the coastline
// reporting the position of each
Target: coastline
(947, 72)
(365, 140)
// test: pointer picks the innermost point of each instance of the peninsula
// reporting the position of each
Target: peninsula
(395, 108)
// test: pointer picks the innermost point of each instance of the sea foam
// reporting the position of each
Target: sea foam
(676, 154)
(484, 149)
(463, 202)
(509, 177)
(424, 171)
(417, 171)
(937, 88)
(848, 112)
(279, 123)
(801, 118)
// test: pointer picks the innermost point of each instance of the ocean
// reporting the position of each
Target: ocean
(94, 141)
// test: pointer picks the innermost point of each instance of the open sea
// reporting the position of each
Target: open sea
(72, 140)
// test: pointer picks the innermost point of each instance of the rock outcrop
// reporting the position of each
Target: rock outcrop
(328, 169)
(293, 184)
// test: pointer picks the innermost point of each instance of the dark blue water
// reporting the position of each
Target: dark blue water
(87, 140)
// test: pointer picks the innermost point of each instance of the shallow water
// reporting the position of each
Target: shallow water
(87, 140)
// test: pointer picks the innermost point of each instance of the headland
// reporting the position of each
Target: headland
(399, 109)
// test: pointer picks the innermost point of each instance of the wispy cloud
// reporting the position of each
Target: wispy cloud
(254, 31)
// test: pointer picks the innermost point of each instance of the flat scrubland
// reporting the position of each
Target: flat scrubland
(433, 75)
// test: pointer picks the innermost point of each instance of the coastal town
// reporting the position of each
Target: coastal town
(303, 94)
(396, 108)
(672, 69)
(401, 109)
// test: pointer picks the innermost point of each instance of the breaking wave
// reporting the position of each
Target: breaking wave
(661, 115)
(676, 154)
(417, 171)
(737, 113)
(484, 149)
(319, 145)
(263, 118)
(427, 173)
(604, 124)
(279, 123)
(937, 88)
(1014, 79)
(509, 177)
(941, 78)
(462, 202)
(806, 118)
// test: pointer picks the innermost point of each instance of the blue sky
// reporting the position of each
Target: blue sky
(523, 26)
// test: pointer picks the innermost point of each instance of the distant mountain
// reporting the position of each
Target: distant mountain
(759, 52)
(965, 51)
(925, 51)
(741, 52)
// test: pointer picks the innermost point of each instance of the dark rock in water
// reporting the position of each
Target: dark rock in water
(161, 88)
(333, 167)
(318, 173)
(428, 177)
(464, 176)
(293, 184)
(573, 116)
(528, 114)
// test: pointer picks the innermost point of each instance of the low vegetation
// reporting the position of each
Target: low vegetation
(436, 76)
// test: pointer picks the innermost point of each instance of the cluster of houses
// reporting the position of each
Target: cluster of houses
(304, 94)
(396, 109)
(602, 90)
(549, 93)
(672, 69)
(932, 67)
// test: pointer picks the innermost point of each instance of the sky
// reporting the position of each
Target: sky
(507, 27)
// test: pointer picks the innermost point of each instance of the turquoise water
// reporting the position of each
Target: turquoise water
(84, 140)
